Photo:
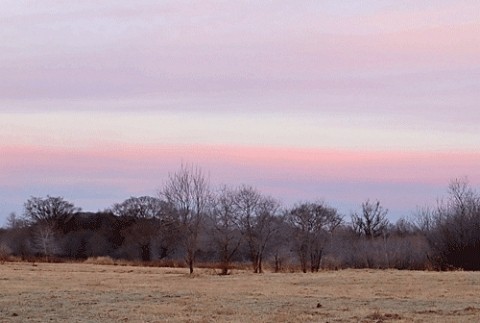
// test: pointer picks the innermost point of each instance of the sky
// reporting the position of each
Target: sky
(335, 101)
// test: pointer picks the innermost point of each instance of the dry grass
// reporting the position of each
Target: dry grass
(99, 293)
(100, 261)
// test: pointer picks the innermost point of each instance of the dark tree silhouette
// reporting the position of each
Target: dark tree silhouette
(50, 211)
(144, 219)
(372, 222)
(455, 232)
(48, 216)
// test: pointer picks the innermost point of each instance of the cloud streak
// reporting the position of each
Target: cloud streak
(263, 129)
(117, 50)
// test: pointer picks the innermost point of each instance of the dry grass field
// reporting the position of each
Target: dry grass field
(101, 293)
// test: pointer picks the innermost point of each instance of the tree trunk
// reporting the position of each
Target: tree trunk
(190, 265)
(255, 263)
(225, 260)
(145, 252)
(190, 259)
(278, 263)
(260, 269)
(302, 255)
(315, 259)
(224, 270)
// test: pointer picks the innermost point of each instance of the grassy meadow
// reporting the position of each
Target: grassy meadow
(79, 292)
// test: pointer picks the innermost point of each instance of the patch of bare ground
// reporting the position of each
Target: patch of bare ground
(106, 293)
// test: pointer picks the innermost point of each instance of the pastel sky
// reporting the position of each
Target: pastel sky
(306, 100)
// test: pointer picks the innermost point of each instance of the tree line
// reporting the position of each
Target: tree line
(191, 222)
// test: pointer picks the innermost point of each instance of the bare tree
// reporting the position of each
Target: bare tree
(281, 245)
(463, 200)
(372, 222)
(17, 236)
(424, 219)
(226, 229)
(188, 192)
(14, 222)
(455, 233)
(257, 215)
(313, 223)
(45, 240)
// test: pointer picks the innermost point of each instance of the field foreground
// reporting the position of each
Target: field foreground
(98, 293)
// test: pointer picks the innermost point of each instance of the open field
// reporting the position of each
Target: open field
(99, 293)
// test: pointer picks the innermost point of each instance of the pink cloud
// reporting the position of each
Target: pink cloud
(252, 162)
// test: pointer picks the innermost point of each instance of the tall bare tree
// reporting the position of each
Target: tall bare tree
(455, 233)
(188, 192)
(225, 227)
(313, 223)
(257, 216)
